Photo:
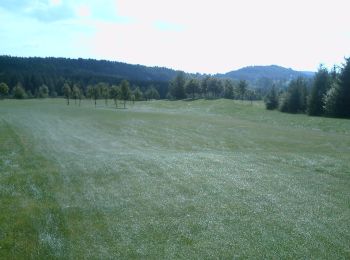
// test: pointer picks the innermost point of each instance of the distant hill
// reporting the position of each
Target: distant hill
(53, 72)
(272, 72)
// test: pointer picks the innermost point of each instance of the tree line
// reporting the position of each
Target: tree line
(209, 87)
(32, 73)
(182, 86)
(328, 95)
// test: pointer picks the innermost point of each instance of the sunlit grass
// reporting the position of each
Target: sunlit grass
(171, 179)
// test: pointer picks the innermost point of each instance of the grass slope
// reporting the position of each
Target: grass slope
(202, 179)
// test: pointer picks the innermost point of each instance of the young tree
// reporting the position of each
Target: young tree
(330, 100)
(4, 90)
(104, 92)
(271, 100)
(125, 91)
(115, 93)
(43, 91)
(152, 93)
(177, 86)
(96, 92)
(75, 93)
(250, 93)
(80, 95)
(192, 87)
(322, 82)
(66, 92)
(242, 88)
(138, 94)
(90, 91)
(18, 91)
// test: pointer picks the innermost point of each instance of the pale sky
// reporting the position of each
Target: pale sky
(192, 35)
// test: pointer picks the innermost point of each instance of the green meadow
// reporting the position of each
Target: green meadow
(197, 179)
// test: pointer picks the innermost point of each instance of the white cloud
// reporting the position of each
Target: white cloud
(55, 2)
(206, 36)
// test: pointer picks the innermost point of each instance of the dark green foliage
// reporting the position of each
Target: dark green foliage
(54, 72)
(295, 99)
(214, 86)
(43, 91)
(229, 89)
(271, 100)
(4, 89)
(18, 92)
(67, 92)
(242, 88)
(192, 87)
(125, 91)
(337, 100)
(177, 86)
(204, 86)
(319, 89)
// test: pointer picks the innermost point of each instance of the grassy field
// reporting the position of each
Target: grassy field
(191, 180)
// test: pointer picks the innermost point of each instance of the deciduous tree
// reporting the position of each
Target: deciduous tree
(67, 92)
(125, 91)
(4, 90)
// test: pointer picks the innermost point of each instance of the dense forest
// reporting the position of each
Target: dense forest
(328, 94)
(32, 73)
(325, 93)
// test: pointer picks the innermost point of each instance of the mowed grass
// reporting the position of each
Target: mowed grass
(163, 179)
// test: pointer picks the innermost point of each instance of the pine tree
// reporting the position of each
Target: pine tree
(338, 98)
(322, 82)
(177, 86)
(192, 87)
(271, 100)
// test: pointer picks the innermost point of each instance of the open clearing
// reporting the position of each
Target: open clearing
(201, 179)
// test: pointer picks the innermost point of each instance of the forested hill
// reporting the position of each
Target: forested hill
(273, 72)
(53, 72)
(85, 68)
(34, 72)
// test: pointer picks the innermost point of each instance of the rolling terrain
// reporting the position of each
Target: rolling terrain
(171, 179)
